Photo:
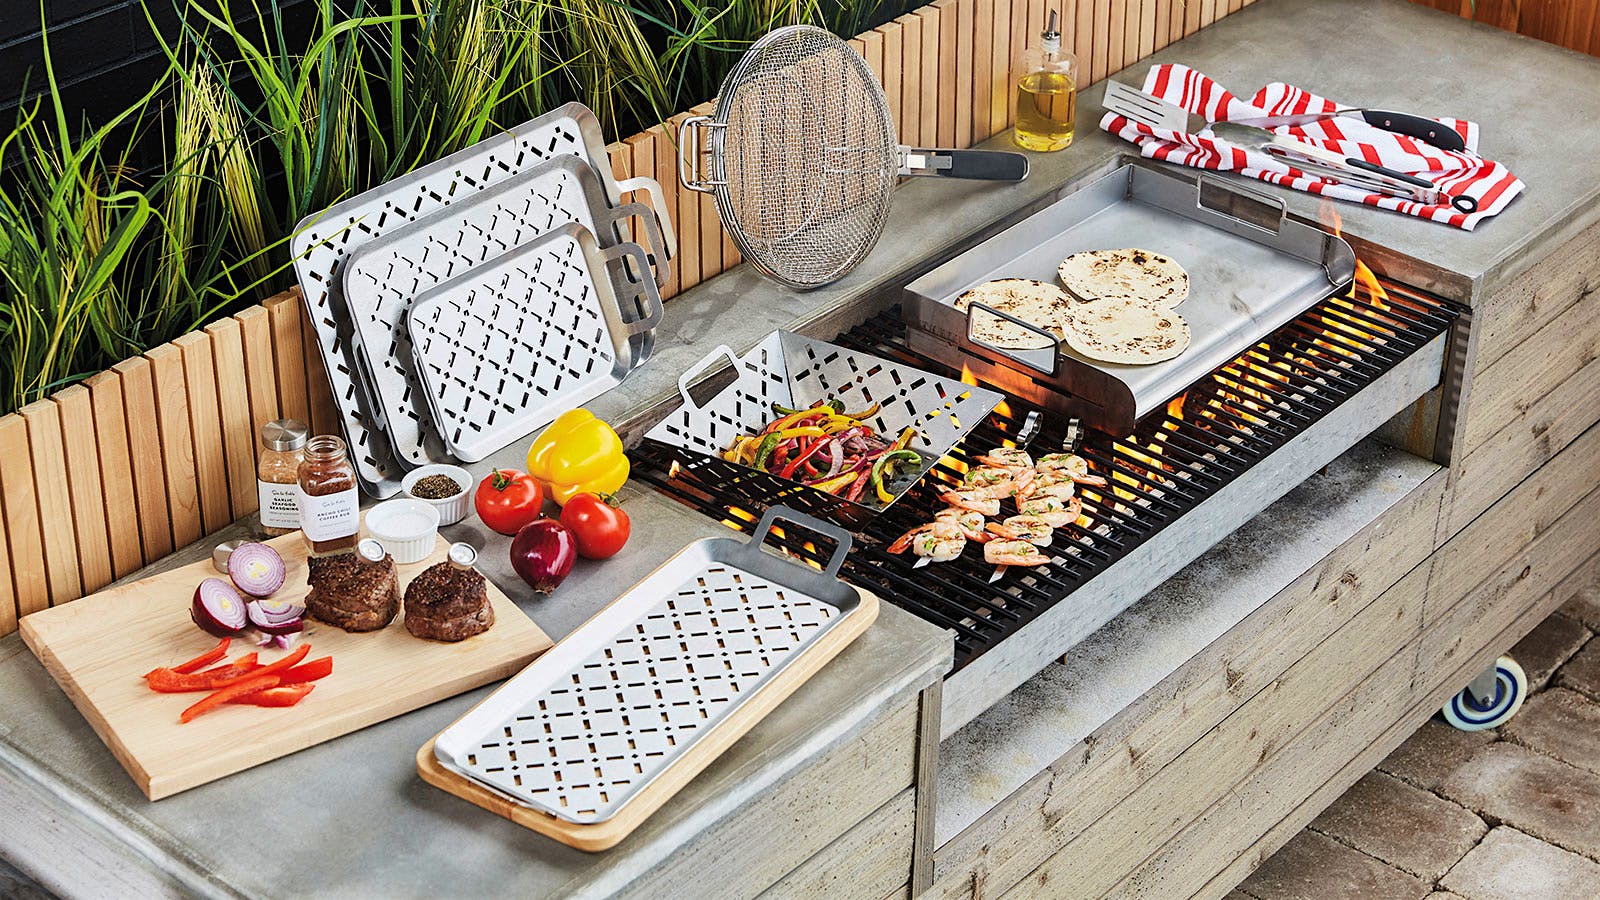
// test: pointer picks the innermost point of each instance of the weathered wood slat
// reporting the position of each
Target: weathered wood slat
(289, 354)
(910, 129)
(205, 423)
(710, 223)
(966, 71)
(948, 88)
(1001, 100)
(982, 68)
(260, 367)
(29, 581)
(893, 38)
(319, 391)
(869, 860)
(233, 405)
(49, 463)
(688, 224)
(144, 445)
(176, 443)
(92, 546)
(116, 473)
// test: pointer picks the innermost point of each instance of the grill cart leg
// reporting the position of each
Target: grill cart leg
(1492, 697)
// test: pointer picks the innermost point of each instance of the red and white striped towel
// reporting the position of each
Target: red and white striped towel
(1489, 182)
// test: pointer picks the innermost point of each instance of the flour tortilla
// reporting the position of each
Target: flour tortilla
(1125, 274)
(1126, 331)
(1034, 302)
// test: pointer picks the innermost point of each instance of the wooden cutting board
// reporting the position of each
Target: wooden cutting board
(99, 648)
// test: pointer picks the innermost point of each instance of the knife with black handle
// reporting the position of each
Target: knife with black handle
(1426, 130)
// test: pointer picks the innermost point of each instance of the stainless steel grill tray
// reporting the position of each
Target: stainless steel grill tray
(382, 278)
(324, 241)
(796, 371)
(589, 725)
(1251, 269)
(505, 347)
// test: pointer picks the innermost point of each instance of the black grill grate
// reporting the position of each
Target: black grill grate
(1233, 418)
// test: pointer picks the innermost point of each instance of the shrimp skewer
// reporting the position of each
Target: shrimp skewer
(1011, 553)
(1057, 512)
(1007, 458)
(974, 501)
(990, 482)
(1071, 465)
(937, 541)
(1033, 529)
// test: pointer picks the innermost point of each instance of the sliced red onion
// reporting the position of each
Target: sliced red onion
(275, 617)
(256, 569)
(218, 609)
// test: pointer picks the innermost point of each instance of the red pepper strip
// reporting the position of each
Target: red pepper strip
(287, 662)
(804, 455)
(859, 486)
(171, 681)
(282, 695)
(211, 701)
(204, 659)
(311, 671)
(245, 663)
(778, 456)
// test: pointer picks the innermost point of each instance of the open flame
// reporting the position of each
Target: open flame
(1002, 408)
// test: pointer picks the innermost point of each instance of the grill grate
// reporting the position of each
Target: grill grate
(1234, 417)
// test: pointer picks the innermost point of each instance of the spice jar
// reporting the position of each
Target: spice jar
(283, 444)
(330, 505)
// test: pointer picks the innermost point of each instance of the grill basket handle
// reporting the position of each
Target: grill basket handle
(841, 538)
(723, 351)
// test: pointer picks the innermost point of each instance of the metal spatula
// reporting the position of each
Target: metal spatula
(1148, 109)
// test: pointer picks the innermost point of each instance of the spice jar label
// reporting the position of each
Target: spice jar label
(279, 503)
(330, 516)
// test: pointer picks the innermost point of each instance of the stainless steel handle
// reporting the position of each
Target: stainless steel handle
(657, 260)
(699, 368)
(1054, 348)
(652, 297)
(691, 155)
(1271, 226)
(658, 202)
(841, 538)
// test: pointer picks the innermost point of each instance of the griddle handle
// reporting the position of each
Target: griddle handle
(841, 538)
(1054, 348)
(1239, 203)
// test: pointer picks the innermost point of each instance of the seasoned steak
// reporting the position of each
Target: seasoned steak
(353, 593)
(446, 603)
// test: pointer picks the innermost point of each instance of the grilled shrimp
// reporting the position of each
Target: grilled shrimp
(1047, 484)
(1070, 464)
(1057, 512)
(990, 481)
(974, 501)
(934, 541)
(1007, 458)
(1033, 529)
(1013, 553)
(970, 523)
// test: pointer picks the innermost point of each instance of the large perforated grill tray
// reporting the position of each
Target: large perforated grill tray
(324, 241)
(505, 347)
(384, 277)
(631, 693)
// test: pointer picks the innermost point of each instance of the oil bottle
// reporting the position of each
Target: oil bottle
(1047, 93)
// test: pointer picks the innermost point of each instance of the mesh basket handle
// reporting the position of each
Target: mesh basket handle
(723, 351)
(692, 156)
(663, 218)
(841, 538)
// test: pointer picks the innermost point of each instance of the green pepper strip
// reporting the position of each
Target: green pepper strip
(768, 444)
(886, 462)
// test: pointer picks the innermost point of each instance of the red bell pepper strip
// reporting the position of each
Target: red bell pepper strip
(277, 666)
(804, 455)
(282, 695)
(311, 671)
(171, 681)
(247, 685)
(204, 659)
(859, 485)
(245, 663)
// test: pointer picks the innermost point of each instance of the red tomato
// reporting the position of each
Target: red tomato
(507, 500)
(597, 524)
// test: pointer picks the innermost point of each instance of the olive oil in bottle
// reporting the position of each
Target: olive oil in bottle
(1047, 94)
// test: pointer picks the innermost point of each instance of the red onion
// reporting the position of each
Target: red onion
(256, 569)
(543, 553)
(218, 609)
(275, 616)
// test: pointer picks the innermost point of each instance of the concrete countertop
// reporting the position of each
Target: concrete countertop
(416, 840)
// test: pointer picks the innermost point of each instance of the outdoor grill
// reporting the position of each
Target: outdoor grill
(1226, 426)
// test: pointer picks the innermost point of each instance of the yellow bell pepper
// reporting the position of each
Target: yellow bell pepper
(578, 454)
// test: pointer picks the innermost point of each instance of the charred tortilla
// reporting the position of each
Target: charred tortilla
(1126, 332)
(1034, 302)
(1125, 274)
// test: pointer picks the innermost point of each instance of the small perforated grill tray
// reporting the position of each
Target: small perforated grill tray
(626, 697)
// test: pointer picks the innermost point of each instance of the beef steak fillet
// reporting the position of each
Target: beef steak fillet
(445, 603)
(353, 593)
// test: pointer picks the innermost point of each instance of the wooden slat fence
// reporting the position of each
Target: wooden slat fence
(1573, 24)
(154, 453)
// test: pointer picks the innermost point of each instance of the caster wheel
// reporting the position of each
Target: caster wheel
(1470, 712)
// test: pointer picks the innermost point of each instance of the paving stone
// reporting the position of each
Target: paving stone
(1582, 672)
(1585, 607)
(1559, 723)
(1533, 793)
(1316, 867)
(1406, 827)
(1551, 643)
(1510, 865)
(1433, 752)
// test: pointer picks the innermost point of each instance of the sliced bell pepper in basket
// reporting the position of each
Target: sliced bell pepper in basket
(883, 470)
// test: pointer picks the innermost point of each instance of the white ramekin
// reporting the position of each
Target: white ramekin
(406, 527)
(451, 509)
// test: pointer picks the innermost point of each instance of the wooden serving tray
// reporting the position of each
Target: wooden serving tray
(607, 834)
(99, 648)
